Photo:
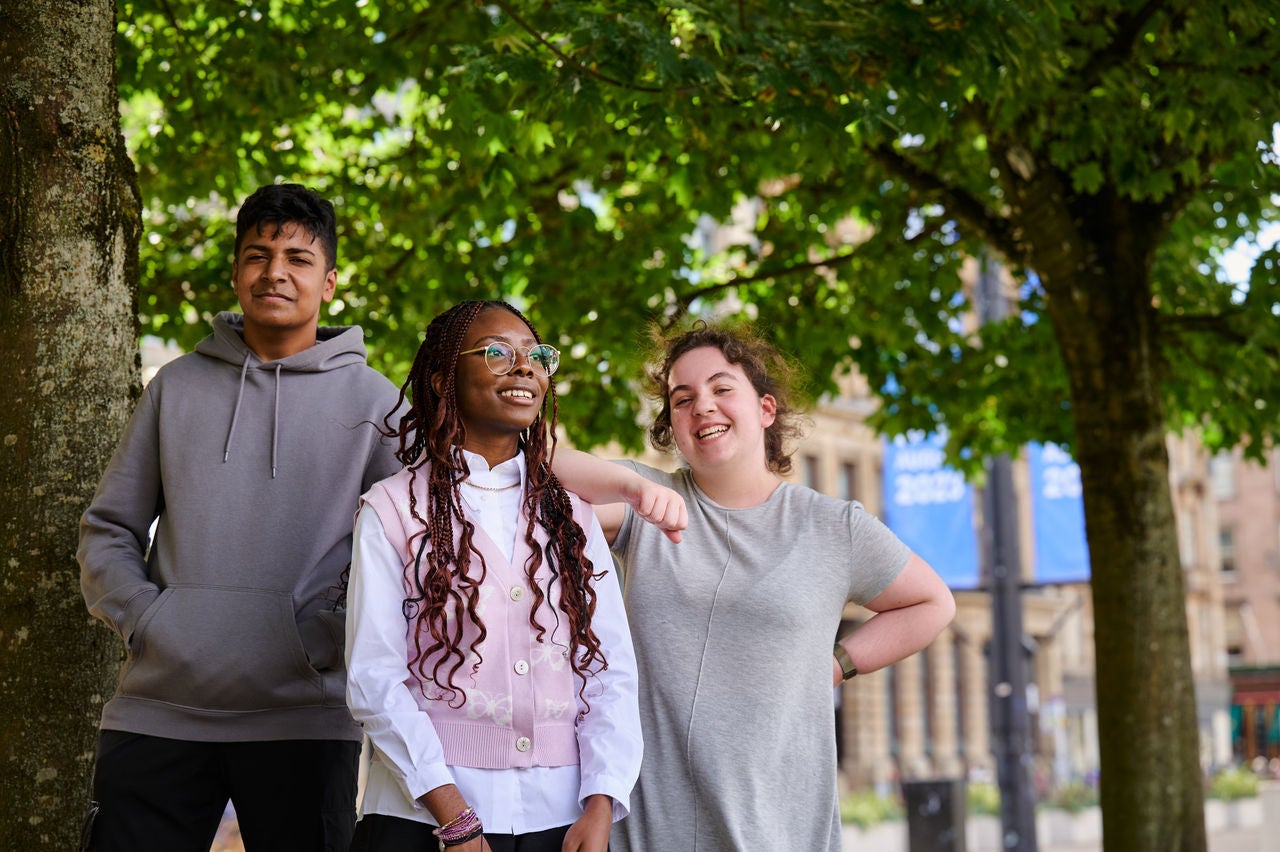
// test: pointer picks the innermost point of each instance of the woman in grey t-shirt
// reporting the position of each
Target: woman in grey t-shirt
(733, 626)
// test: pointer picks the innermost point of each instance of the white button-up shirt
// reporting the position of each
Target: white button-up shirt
(409, 760)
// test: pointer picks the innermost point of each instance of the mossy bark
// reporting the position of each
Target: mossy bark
(1151, 794)
(69, 224)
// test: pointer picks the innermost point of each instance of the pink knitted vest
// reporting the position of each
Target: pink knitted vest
(521, 708)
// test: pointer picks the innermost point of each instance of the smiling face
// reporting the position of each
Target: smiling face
(281, 278)
(717, 417)
(496, 409)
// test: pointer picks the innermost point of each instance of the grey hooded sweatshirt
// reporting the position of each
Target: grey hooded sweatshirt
(251, 472)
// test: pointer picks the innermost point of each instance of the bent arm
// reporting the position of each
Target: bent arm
(379, 699)
(607, 487)
(115, 531)
(610, 743)
(910, 613)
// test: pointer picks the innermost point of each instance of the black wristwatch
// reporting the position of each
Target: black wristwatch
(846, 664)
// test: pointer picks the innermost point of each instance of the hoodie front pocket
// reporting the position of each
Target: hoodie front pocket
(219, 648)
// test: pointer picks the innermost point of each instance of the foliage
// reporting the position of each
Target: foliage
(569, 156)
(579, 157)
(1072, 797)
(982, 798)
(1235, 782)
(865, 808)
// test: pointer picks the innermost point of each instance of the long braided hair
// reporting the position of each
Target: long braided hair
(444, 581)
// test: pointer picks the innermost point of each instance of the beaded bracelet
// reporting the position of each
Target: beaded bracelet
(479, 830)
(465, 826)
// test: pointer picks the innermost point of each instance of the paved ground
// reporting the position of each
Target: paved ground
(1261, 833)
(1236, 840)
(1257, 829)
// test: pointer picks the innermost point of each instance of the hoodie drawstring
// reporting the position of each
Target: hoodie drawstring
(275, 417)
(235, 414)
(275, 424)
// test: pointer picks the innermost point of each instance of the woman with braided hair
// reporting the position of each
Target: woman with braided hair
(488, 652)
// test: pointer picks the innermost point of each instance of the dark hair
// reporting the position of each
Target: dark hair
(766, 368)
(279, 203)
(444, 588)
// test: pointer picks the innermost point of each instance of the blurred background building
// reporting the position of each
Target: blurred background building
(1247, 497)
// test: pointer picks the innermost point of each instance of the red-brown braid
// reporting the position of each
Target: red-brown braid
(442, 587)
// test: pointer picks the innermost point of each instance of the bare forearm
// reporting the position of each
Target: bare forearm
(910, 613)
(445, 803)
(591, 831)
(888, 637)
(609, 486)
(592, 479)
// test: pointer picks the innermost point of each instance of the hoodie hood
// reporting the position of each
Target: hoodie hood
(336, 347)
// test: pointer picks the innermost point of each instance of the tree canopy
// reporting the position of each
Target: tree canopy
(569, 155)
(582, 158)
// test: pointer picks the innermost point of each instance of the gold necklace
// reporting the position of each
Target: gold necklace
(490, 488)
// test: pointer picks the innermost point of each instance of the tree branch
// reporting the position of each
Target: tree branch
(566, 58)
(963, 205)
(683, 302)
(1219, 324)
(1120, 48)
(421, 24)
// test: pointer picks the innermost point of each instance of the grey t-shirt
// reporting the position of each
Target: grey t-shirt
(733, 629)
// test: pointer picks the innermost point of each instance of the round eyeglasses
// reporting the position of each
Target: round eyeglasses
(500, 357)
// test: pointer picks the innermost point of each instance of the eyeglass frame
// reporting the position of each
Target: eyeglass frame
(516, 350)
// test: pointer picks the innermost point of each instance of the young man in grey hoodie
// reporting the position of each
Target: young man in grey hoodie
(249, 456)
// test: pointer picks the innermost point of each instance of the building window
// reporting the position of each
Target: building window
(811, 478)
(1188, 541)
(891, 697)
(1233, 634)
(962, 677)
(927, 677)
(1222, 475)
(1227, 552)
(848, 481)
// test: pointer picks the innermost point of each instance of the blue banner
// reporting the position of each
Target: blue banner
(930, 507)
(1057, 511)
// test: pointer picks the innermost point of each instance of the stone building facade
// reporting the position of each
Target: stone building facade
(1247, 497)
(927, 717)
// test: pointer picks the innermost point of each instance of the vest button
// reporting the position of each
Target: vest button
(517, 592)
(521, 667)
(523, 744)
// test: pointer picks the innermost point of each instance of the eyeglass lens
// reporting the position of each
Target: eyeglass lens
(500, 358)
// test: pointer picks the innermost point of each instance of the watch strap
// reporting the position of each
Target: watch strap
(846, 663)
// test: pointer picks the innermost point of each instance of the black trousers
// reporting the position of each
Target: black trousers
(380, 833)
(160, 795)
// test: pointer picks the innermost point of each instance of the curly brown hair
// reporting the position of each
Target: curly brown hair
(444, 582)
(768, 370)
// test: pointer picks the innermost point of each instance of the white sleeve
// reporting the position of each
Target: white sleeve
(377, 642)
(609, 742)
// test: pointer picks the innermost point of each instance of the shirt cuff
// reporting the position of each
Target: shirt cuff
(426, 780)
(618, 792)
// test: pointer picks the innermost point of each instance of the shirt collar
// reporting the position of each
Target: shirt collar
(510, 472)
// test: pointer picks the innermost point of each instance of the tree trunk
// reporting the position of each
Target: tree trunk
(1100, 305)
(68, 368)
